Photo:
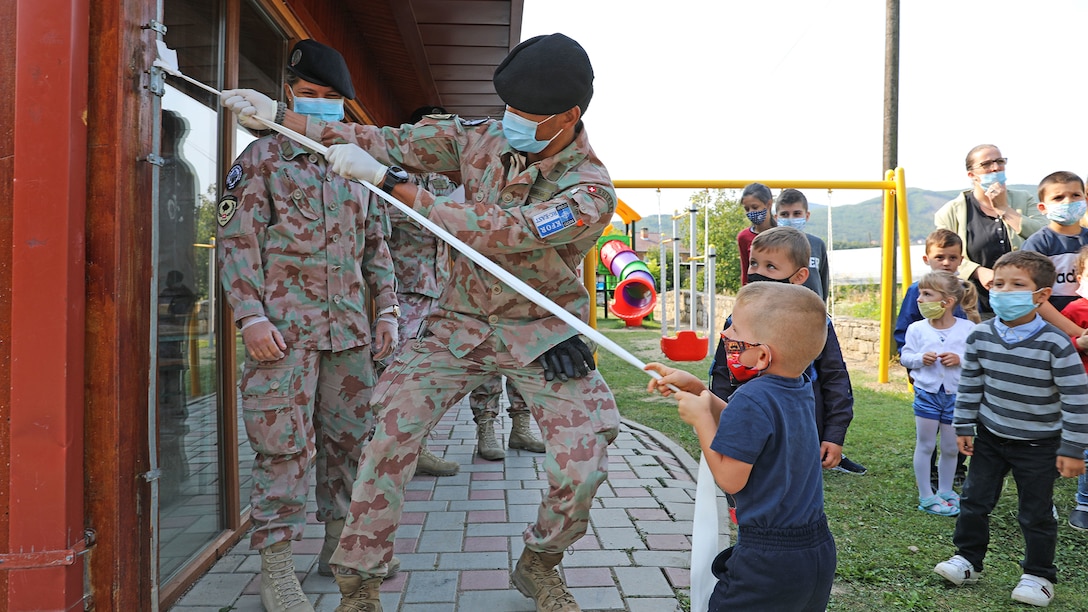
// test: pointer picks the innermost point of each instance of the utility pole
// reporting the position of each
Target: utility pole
(891, 129)
(891, 86)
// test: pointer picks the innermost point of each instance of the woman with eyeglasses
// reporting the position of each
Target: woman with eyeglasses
(990, 219)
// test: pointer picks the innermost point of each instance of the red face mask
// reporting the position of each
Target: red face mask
(733, 350)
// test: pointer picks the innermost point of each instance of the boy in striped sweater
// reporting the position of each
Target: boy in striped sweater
(1021, 406)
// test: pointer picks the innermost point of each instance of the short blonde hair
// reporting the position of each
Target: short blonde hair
(794, 321)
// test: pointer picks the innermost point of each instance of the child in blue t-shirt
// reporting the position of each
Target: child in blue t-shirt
(1061, 198)
(761, 449)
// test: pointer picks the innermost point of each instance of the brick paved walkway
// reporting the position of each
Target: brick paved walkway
(461, 535)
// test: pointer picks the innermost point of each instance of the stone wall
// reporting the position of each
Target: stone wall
(859, 338)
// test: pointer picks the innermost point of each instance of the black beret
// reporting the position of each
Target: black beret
(321, 65)
(545, 75)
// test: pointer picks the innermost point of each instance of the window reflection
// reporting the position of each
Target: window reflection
(190, 500)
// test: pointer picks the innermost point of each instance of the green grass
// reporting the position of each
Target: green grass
(887, 548)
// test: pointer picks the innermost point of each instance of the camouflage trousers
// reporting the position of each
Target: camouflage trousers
(485, 398)
(577, 418)
(310, 408)
(414, 310)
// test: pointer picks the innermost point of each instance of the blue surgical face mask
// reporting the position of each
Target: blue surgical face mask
(798, 223)
(1011, 305)
(757, 217)
(325, 109)
(989, 179)
(1066, 213)
(521, 133)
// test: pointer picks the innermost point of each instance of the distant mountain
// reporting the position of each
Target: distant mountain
(857, 225)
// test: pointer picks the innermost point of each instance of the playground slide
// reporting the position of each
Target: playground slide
(635, 296)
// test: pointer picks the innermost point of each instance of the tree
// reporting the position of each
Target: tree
(206, 226)
(727, 219)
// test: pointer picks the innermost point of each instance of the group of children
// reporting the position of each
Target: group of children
(1008, 392)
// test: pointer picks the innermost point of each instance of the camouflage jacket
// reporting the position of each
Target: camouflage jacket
(297, 245)
(422, 259)
(536, 221)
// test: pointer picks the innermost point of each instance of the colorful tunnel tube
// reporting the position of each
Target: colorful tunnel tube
(635, 296)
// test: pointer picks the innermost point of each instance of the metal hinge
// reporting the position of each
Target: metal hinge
(154, 160)
(156, 26)
(48, 558)
(157, 81)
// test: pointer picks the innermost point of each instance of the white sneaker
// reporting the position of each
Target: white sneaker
(1033, 590)
(958, 571)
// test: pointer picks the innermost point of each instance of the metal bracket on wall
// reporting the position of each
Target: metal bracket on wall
(157, 83)
(48, 558)
(153, 159)
(156, 26)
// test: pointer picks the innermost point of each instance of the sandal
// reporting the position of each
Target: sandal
(935, 505)
(951, 497)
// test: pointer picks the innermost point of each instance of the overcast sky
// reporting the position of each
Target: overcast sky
(793, 89)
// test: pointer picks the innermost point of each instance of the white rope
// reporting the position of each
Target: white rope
(167, 60)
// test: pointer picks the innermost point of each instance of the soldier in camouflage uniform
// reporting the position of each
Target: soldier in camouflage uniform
(296, 245)
(535, 206)
(422, 263)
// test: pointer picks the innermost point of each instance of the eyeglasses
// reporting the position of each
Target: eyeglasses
(738, 346)
(990, 163)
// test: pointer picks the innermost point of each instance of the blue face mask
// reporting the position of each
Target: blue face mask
(1066, 213)
(798, 223)
(325, 109)
(989, 179)
(1011, 305)
(521, 133)
(757, 217)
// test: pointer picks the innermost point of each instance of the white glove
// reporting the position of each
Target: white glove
(386, 337)
(352, 162)
(248, 104)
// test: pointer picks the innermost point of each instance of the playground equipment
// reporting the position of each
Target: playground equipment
(634, 296)
(687, 345)
(895, 214)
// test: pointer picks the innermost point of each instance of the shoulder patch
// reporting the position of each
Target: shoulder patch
(227, 207)
(234, 176)
(602, 193)
(552, 220)
(472, 122)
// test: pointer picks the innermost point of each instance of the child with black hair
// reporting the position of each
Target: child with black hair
(756, 200)
(781, 254)
(1021, 407)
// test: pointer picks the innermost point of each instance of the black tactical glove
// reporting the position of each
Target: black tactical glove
(570, 358)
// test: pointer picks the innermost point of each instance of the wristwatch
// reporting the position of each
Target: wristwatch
(393, 310)
(394, 176)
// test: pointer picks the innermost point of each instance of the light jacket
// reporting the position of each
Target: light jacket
(953, 216)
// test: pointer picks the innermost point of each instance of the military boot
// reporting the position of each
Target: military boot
(358, 594)
(536, 578)
(486, 444)
(521, 436)
(333, 529)
(280, 590)
(430, 464)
